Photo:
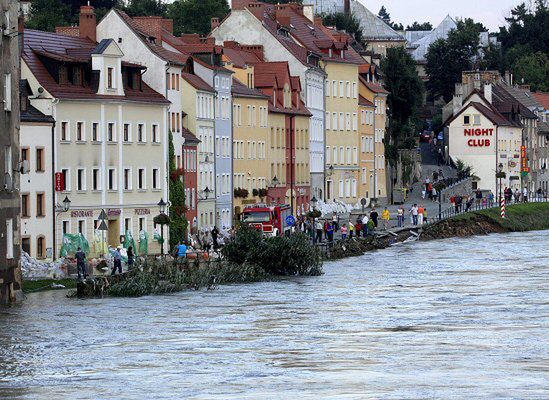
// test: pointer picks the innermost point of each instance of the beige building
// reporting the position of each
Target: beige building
(110, 142)
(376, 175)
(251, 155)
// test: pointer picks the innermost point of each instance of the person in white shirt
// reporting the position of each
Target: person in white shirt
(525, 194)
(414, 212)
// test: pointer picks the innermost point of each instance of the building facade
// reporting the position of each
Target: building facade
(189, 166)
(37, 208)
(107, 118)
(10, 275)
(198, 104)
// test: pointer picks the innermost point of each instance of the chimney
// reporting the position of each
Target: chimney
(457, 103)
(167, 24)
(152, 26)
(347, 6)
(240, 4)
(488, 92)
(88, 23)
(257, 49)
(318, 20)
(215, 23)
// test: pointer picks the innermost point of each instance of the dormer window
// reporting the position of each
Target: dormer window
(342, 53)
(110, 81)
(330, 53)
(63, 75)
(77, 75)
(287, 97)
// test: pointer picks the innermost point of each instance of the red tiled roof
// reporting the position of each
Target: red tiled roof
(165, 54)
(53, 46)
(239, 57)
(489, 112)
(189, 137)
(362, 101)
(196, 82)
(311, 37)
(241, 90)
(543, 99)
(506, 103)
(374, 87)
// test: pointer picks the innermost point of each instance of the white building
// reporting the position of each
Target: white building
(37, 211)
(481, 137)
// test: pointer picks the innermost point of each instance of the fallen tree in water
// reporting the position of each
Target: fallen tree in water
(248, 258)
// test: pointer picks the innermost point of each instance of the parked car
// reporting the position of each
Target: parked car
(425, 137)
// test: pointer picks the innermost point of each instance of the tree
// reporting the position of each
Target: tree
(194, 16)
(45, 15)
(416, 26)
(178, 221)
(137, 8)
(406, 95)
(534, 70)
(343, 21)
(447, 58)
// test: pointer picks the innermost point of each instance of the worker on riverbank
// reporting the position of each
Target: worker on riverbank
(400, 216)
(374, 216)
(318, 229)
(117, 262)
(385, 217)
(344, 231)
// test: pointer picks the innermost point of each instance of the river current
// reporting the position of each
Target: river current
(456, 318)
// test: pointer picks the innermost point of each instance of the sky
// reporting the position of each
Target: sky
(490, 12)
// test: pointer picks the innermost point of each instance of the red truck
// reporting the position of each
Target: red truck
(271, 220)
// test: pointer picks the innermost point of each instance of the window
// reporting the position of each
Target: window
(334, 121)
(40, 205)
(82, 227)
(7, 93)
(140, 133)
(26, 245)
(112, 179)
(334, 88)
(348, 121)
(141, 179)
(25, 206)
(96, 179)
(476, 119)
(127, 179)
(81, 179)
(355, 91)
(25, 154)
(80, 136)
(155, 178)
(466, 120)
(66, 227)
(348, 88)
(127, 136)
(40, 247)
(110, 132)
(95, 132)
(110, 78)
(9, 237)
(327, 87)
(142, 224)
(341, 121)
(40, 160)
(66, 178)
(154, 135)
(127, 225)
(341, 89)
(65, 131)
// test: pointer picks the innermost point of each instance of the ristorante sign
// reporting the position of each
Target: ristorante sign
(481, 134)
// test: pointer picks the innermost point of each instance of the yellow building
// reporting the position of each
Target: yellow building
(374, 176)
(251, 154)
(342, 163)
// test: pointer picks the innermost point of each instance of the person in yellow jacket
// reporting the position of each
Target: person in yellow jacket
(385, 216)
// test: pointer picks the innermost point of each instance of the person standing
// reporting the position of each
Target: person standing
(330, 232)
(414, 213)
(386, 216)
(525, 194)
(400, 216)
(131, 257)
(335, 219)
(420, 211)
(80, 262)
(478, 196)
(215, 234)
(318, 228)
(117, 264)
(344, 231)
(358, 226)
(374, 216)
(181, 250)
(351, 229)
(365, 220)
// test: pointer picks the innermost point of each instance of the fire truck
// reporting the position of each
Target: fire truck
(271, 220)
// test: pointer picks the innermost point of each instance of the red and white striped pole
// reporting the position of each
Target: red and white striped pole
(503, 207)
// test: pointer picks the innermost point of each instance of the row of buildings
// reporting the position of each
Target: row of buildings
(271, 107)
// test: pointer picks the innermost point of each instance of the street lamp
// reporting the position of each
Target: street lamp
(206, 192)
(500, 174)
(162, 219)
(314, 202)
(66, 204)
(274, 181)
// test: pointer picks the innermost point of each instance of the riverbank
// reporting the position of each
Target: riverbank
(37, 285)
(519, 218)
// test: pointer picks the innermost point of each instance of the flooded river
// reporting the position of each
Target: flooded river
(458, 318)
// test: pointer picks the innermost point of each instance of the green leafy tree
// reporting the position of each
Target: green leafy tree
(534, 70)
(343, 21)
(45, 15)
(178, 221)
(194, 16)
(447, 58)
(406, 96)
(416, 26)
(136, 8)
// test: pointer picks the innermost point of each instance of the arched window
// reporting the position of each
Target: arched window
(40, 247)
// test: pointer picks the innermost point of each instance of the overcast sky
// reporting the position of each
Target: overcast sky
(490, 12)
